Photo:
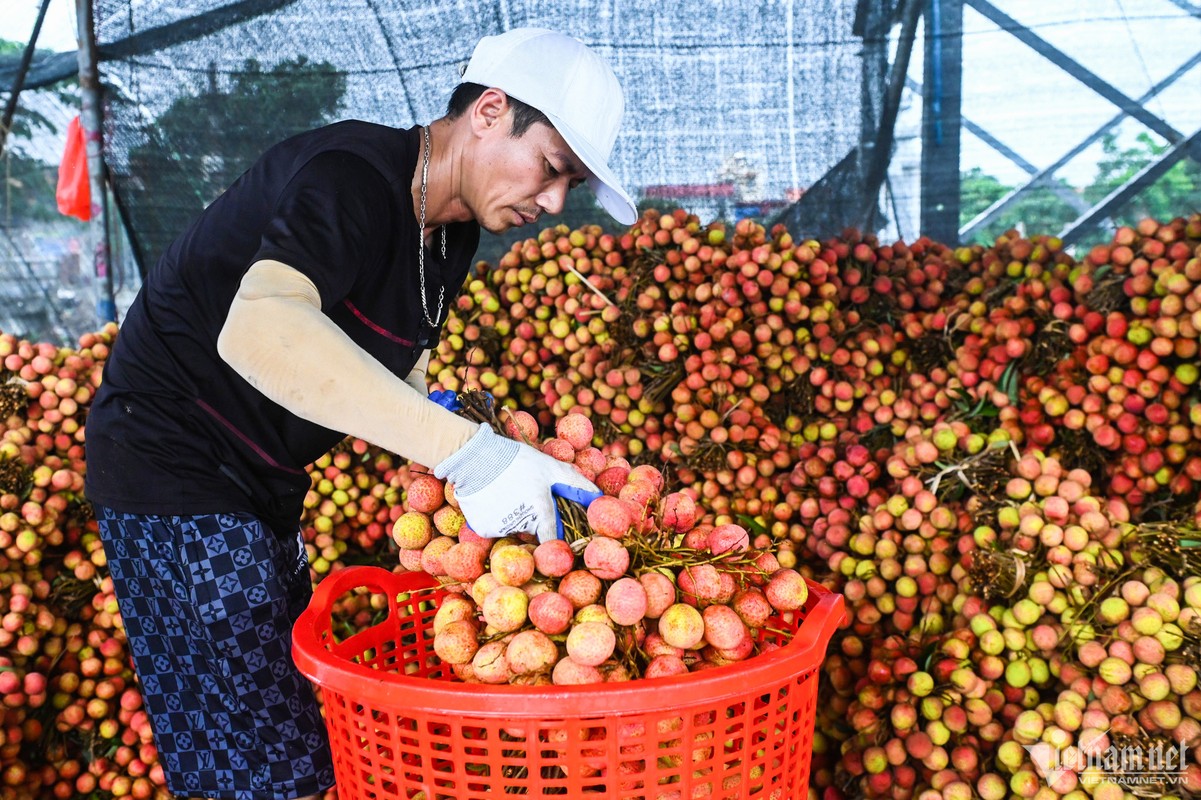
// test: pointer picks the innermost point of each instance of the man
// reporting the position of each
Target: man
(298, 308)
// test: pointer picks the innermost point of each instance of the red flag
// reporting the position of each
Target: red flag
(74, 192)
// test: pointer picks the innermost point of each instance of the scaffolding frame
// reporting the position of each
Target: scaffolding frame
(1181, 146)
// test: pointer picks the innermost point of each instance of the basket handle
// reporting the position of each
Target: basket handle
(820, 623)
(338, 583)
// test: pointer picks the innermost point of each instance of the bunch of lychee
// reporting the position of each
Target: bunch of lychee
(638, 589)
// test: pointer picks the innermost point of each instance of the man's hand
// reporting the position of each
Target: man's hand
(506, 487)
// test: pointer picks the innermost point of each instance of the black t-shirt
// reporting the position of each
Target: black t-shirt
(172, 429)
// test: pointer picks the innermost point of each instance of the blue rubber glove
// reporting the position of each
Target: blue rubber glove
(506, 487)
(447, 399)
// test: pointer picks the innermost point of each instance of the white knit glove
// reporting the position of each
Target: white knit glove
(504, 486)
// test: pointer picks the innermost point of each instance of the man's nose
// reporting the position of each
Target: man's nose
(553, 199)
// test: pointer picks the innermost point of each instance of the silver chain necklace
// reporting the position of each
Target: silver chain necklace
(425, 170)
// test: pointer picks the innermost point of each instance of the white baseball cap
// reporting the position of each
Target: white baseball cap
(573, 87)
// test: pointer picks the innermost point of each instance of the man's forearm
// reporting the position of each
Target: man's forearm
(277, 337)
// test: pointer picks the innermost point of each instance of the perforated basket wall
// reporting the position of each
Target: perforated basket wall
(400, 725)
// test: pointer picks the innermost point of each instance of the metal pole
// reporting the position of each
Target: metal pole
(941, 120)
(91, 118)
(881, 149)
(10, 108)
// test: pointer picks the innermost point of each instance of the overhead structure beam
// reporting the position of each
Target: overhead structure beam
(1062, 192)
(881, 149)
(62, 66)
(18, 82)
(1187, 6)
(1127, 191)
(980, 133)
(942, 120)
(1073, 68)
(990, 214)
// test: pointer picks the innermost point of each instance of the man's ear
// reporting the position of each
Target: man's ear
(489, 110)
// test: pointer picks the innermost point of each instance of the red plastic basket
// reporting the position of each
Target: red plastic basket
(401, 726)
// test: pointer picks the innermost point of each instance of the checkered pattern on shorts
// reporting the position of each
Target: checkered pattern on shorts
(208, 604)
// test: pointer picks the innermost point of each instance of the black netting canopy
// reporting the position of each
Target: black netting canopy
(727, 103)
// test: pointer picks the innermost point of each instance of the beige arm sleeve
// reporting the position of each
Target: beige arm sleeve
(321, 375)
(417, 375)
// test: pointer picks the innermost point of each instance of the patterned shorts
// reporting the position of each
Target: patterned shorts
(208, 604)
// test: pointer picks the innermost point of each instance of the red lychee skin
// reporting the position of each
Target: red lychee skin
(490, 665)
(664, 667)
(654, 645)
(569, 672)
(581, 587)
(554, 558)
(698, 537)
(607, 559)
(512, 564)
(729, 538)
(551, 613)
(456, 643)
(740, 652)
(451, 609)
(700, 585)
(631, 637)
(679, 512)
(425, 493)
(724, 629)
(559, 449)
(611, 517)
(464, 561)
(610, 480)
(520, 425)
(616, 673)
(591, 643)
(575, 429)
(752, 606)
(449, 520)
(412, 530)
(766, 563)
(626, 601)
(410, 560)
(787, 590)
(431, 554)
(614, 460)
(590, 459)
(682, 626)
(531, 652)
(642, 494)
(660, 593)
(646, 472)
(466, 534)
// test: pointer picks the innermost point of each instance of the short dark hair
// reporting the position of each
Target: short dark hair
(524, 115)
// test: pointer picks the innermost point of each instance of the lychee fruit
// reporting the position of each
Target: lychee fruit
(551, 612)
(590, 643)
(425, 493)
(611, 517)
(412, 530)
(786, 590)
(626, 601)
(607, 559)
(554, 558)
(575, 429)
